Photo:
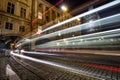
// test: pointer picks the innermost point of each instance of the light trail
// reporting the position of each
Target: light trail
(82, 39)
(96, 39)
(84, 14)
(108, 68)
(68, 51)
(71, 68)
(95, 42)
(35, 20)
(33, 59)
(116, 31)
(104, 21)
(37, 53)
(68, 68)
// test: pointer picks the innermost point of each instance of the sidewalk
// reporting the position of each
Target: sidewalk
(11, 74)
(6, 72)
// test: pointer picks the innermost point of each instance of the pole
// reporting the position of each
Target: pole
(31, 24)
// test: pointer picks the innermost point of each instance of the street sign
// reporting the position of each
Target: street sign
(39, 30)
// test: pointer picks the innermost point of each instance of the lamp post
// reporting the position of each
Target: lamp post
(31, 18)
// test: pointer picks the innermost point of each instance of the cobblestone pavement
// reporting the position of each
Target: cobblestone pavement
(11, 74)
(6, 73)
(12, 70)
(73, 68)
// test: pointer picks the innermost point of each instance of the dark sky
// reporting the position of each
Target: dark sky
(70, 3)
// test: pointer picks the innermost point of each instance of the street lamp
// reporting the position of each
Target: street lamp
(64, 8)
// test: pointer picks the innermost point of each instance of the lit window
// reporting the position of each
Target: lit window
(9, 26)
(10, 8)
(23, 13)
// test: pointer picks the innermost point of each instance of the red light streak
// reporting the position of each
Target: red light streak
(35, 20)
(103, 67)
(109, 68)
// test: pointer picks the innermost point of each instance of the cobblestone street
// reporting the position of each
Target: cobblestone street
(11, 74)
(12, 70)
(6, 72)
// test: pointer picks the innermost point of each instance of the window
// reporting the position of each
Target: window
(40, 5)
(58, 15)
(9, 26)
(47, 8)
(10, 8)
(22, 29)
(53, 15)
(23, 13)
(47, 18)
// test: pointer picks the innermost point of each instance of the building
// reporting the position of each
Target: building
(52, 17)
(14, 19)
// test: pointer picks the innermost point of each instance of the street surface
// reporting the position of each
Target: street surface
(60, 66)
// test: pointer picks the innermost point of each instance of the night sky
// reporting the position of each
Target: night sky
(70, 3)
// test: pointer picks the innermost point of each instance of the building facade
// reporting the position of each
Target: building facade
(14, 17)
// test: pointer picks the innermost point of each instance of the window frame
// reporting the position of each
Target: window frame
(9, 26)
(23, 12)
(21, 28)
(10, 7)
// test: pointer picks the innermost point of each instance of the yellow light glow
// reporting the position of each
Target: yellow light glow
(64, 8)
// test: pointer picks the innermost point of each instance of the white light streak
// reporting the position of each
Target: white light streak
(59, 34)
(96, 39)
(36, 53)
(104, 21)
(58, 44)
(65, 67)
(84, 14)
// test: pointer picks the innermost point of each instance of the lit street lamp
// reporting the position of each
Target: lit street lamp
(64, 8)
